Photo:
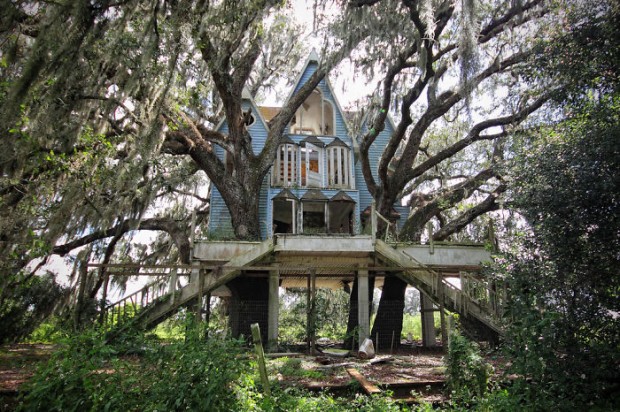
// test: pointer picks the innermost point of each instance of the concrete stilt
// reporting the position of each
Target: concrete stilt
(363, 317)
(428, 322)
(273, 311)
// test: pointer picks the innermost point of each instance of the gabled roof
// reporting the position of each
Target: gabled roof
(314, 57)
(286, 139)
(341, 197)
(315, 195)
(285, 194)
(337, 142)
(312, 140)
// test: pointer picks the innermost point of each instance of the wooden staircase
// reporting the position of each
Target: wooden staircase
(478, 306)
(161, 300)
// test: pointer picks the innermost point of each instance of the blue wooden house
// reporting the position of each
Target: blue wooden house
(316, 184)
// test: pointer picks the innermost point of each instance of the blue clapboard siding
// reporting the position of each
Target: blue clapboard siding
(264, 205)
(374, 156)
(220, 225)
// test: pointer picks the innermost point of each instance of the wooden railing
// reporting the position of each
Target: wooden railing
(127, 307)
(374, 214)
(474, 298)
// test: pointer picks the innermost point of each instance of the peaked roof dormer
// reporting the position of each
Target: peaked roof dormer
(311, 64)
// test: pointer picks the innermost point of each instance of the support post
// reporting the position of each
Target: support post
(312, 315)
(442, 316)
(273, 311)
(308, 312)
(172, 286)
(428, 321)
(431, 241)
(207, 315)
(201, 279)
(83, 274)
(373, 221)
(363, 317)
(104, 297)
(260, 354)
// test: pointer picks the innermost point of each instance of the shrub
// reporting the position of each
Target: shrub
(86, 373)
(467, 372)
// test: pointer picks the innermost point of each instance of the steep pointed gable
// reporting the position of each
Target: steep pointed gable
(326, 88)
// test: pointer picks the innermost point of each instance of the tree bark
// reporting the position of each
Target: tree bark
(388, 323)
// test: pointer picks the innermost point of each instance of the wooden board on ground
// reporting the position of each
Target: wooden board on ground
(368, 387)
(284, 355)
(334, 365)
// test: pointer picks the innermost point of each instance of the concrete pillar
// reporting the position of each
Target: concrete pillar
(273, 311)
(428, 321)
(363, 317)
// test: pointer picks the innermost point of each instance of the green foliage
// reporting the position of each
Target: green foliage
(50, 331)
(293, 367)
(298, 400)
(412, 324)
(25, 301)
(331, 308)
(564, 340)
(565, 334)
(88, 374)
(590, 33)
(468, 373)
(139, 374)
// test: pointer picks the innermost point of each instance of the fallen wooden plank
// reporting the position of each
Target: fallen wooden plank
(335, 365)
(337, 353)
(284, 355)
(369, 388)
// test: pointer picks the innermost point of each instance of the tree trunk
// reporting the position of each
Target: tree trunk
(245, 220)
(389, 320)
(352, 323)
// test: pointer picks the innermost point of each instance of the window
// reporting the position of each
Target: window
(311, 162)
(314, 117)
(339, 165)
(284, 212)
(285, 167)
(314, 212)
(341, 210)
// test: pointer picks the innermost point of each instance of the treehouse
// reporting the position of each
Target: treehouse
(318, 229)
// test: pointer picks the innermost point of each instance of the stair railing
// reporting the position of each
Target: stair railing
(472, 291)
(374, 214)
(129, 305)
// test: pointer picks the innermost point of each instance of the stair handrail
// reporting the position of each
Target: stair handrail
(145, 295)
(444, 284)
(375, 212)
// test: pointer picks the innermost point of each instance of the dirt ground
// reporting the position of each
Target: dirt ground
(17, 364)
(411, 373)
